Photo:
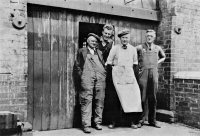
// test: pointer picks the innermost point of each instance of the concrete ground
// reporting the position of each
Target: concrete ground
(165, 130)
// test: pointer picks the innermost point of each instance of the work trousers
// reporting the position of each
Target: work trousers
(148, 82)
(112, 103)
(93, 91)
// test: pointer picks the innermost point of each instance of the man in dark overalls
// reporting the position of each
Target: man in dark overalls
(90, 66)
(149, 56)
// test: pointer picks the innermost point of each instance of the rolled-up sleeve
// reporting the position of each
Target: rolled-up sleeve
(161, 53)
(111, 56)
(135, 56)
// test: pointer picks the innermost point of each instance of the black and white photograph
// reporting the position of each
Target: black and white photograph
(100, 67)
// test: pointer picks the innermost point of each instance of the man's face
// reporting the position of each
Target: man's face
(150, 37)
(125, 39)
(106, 34)
(92, 42)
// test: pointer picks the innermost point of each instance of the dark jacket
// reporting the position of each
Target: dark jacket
(81, 56)
(105, 49)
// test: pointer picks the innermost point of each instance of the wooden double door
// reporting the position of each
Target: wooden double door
(54, 36)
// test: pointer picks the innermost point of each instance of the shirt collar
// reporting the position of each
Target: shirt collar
(104, 42)
(91, 50)
(151, 46)
(126, 45)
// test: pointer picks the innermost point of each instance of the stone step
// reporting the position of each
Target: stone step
(165, 116)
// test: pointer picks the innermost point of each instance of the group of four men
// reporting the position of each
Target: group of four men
(124, 75)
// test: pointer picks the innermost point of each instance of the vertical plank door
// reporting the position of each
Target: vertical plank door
(53, 35)
(50, 65)
(46, 95)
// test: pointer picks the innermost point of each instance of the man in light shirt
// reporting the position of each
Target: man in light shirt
(123, 58)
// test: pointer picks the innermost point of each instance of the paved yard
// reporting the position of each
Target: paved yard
(166, 130)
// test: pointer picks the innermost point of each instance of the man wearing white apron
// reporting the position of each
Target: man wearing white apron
(123, 57)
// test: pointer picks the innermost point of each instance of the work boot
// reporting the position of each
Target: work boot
(98, 127)
(134, 126)
(86, 130)
(154, 125)
(139, 125)
(111, 126)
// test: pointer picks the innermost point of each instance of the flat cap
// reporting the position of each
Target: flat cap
(94, 35)
(150, 30)
(123, 32)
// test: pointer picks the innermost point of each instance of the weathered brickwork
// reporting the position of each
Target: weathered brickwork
(187, 44)
(164, 38)
(186, 58)
(182, 51)
(13, 59)
(187, 101)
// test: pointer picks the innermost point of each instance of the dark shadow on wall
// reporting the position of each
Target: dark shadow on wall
(77, 108)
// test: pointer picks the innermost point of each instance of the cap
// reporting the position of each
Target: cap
(123, 32)
(94, 35)
(151, 31)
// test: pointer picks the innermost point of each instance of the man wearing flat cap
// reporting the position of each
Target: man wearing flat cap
(149, 56)
(122, 58)
(90, 67)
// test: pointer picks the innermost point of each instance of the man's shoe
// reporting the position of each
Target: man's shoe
(98, 127)
(154, 125)
(139, 125)
(86, 130)
(111, 126)
(134, 126)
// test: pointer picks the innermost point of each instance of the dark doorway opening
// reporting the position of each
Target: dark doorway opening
(86, 28)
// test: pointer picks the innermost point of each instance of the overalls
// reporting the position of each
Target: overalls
(148, 80)
(93, 84)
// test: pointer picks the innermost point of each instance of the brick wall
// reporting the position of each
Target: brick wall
(187, 98)
(164, 38)
(187, 44)
(182, 50)
(186, 54)
(13, 59)
(180, 93)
